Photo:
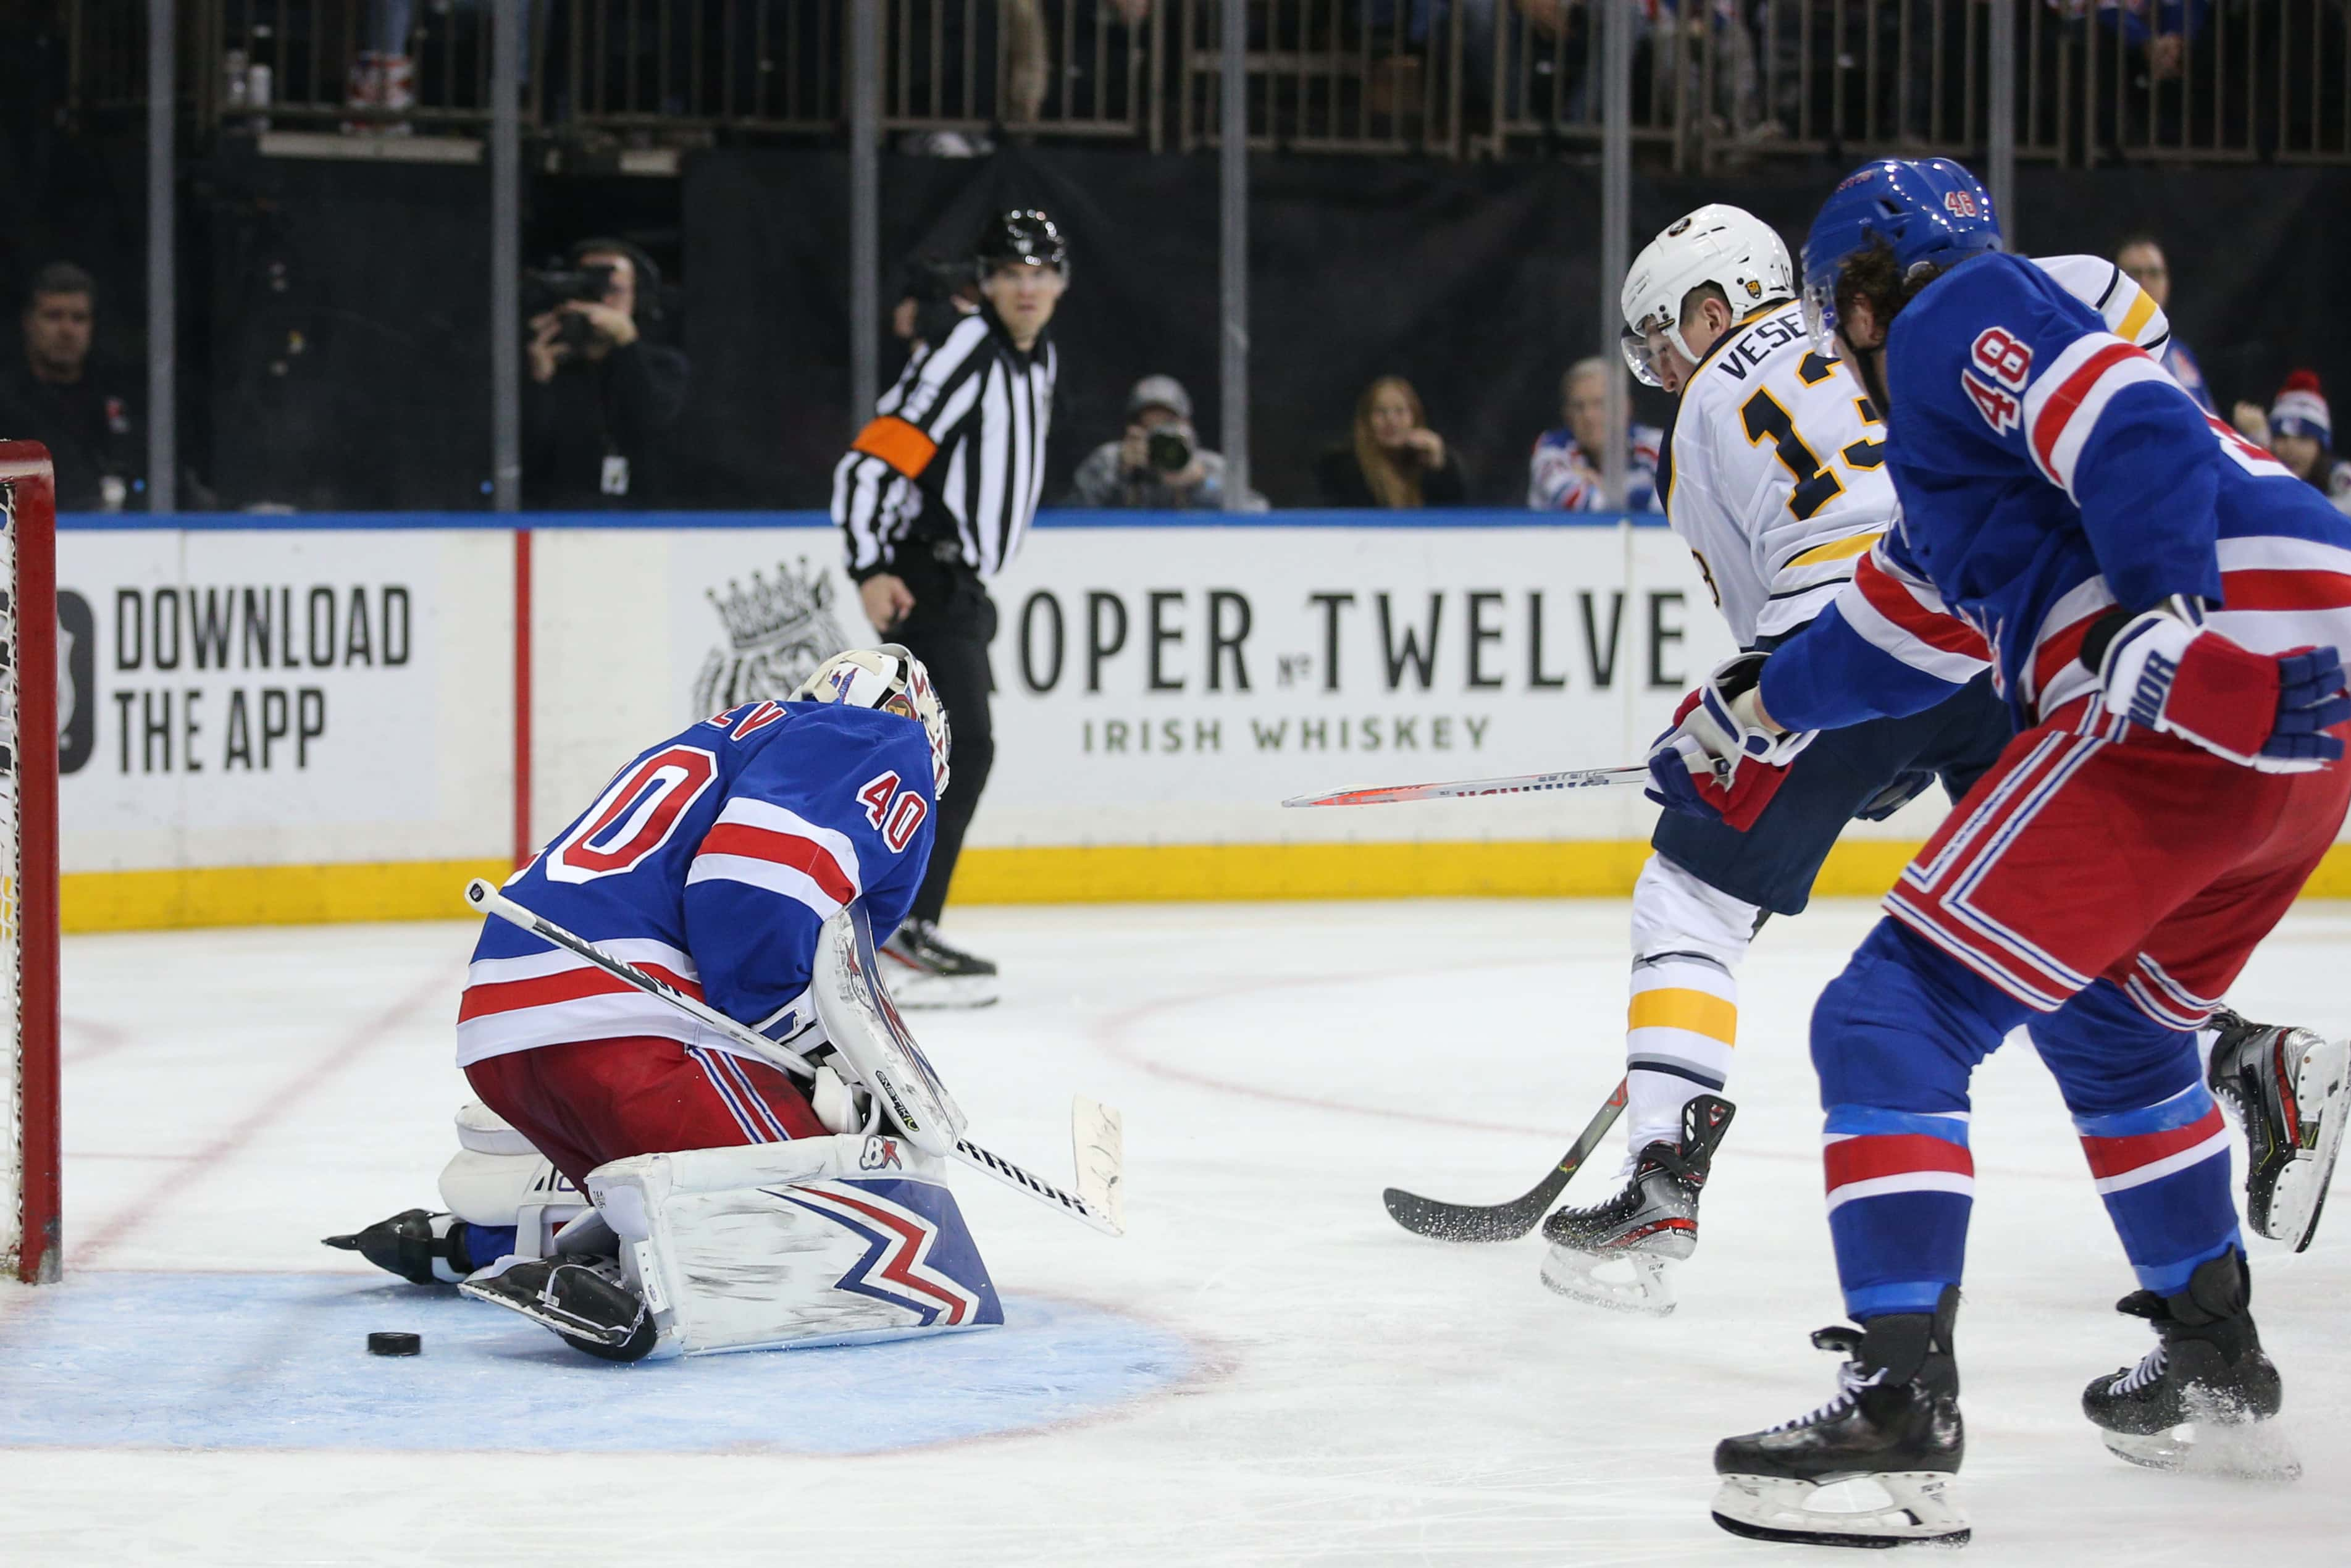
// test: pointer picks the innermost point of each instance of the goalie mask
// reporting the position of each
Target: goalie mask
(889, 678)
(1736, 251)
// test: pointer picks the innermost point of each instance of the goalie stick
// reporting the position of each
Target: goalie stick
(1502, 1221)
(1097, 1135)
(1522, 784)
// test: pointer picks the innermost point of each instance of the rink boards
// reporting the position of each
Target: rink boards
(298, 718)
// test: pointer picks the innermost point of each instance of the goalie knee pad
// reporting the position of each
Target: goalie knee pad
(497, 1178)
(822, 1242)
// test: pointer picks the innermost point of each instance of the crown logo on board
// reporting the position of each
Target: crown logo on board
(768, 610)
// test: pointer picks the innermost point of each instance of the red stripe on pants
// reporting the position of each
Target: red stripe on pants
(588, 1102)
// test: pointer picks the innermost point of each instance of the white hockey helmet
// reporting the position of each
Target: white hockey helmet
(1733, 249)
(889, 678)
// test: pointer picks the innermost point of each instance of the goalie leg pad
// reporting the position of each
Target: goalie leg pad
(832, 1240)
(497, 1179)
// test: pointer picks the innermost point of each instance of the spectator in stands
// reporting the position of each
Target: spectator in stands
(51, 393)
(2142, 260)
(600, 398)
(2300, 429)
(383, 79)
(1565, 473)
(1394, 460)
(1159, 463)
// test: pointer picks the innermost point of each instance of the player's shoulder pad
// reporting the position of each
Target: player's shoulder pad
(846, 768)
(1938, 331)
(2128, 311)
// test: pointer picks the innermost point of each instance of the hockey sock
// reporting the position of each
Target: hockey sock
(2163, 1171)
(479, 1246)
(1688, 941)
(1679, 1030)
(1901, 1189)
(1896, 1038)
(2156, 1141)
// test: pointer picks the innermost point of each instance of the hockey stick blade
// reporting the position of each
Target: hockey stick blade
(1469, 788)
(482, 895)
(1502, 1221)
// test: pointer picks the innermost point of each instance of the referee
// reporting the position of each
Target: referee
(935, 496)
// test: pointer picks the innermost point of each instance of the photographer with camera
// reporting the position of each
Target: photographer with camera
(1159, 464)
(600, 398)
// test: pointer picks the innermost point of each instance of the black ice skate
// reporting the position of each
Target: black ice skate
(420, 1246)
(1616, 1254)
(924, 972)
(2291, 1092)
(1874, 1466)
(2200, 1396)
(581, 1299)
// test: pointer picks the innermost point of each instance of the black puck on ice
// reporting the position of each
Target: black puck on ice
(395, 1345)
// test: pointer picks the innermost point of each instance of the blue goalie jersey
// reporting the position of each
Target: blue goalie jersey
(2048, 470)
(711, 860)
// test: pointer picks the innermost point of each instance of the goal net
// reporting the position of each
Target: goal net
(29, 1248)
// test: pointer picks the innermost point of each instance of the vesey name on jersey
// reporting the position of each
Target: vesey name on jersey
(1754, 346)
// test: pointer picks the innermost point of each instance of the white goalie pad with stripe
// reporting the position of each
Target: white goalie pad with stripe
(865, 1029)
(497, 1179)
(832, 1240)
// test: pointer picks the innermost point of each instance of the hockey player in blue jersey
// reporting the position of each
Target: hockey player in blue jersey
(2162, 606)
(713, 859)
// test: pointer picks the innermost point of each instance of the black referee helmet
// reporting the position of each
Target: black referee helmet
(1023, 234)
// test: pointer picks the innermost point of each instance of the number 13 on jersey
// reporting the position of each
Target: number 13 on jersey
(1764, 418)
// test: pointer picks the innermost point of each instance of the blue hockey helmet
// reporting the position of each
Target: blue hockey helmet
(1931, 210)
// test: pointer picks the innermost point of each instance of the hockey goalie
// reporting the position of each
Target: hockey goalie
(634, 1179)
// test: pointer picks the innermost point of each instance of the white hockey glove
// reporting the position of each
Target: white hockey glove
(2167, 670)
(1718, 760)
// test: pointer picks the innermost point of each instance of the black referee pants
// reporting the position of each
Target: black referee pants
(950, 629)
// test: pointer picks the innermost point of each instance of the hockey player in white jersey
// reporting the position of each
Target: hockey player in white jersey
(1773, 476)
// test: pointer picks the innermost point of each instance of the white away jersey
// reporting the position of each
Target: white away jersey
(1774, 474)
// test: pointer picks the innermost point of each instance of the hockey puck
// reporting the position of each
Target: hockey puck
(395, 1345)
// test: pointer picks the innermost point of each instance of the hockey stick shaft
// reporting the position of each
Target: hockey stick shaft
(1503, 1221)
(487, 898)
(1468, 788)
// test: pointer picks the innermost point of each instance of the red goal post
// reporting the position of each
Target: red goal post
(30, 1248)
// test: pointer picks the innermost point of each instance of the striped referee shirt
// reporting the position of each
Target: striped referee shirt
(956, 449)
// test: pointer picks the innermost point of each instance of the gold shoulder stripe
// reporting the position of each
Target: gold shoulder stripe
(1836, 550)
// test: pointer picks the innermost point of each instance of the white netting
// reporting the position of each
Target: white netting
(12, 1001)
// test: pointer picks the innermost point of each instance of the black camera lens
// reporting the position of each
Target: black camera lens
(1168, 450)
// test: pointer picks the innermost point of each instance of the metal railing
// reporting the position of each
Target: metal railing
(1726, 81)
(1717, 83)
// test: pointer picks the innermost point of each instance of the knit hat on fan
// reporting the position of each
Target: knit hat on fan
(2301, 409)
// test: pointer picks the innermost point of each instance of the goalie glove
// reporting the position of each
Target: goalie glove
(2167, 670)
(1718, 761)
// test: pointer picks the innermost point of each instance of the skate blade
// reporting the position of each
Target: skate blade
(1902, 1508)
(1637, 1282)
(2233, 1450)
(914, 992)
(2323, 1088)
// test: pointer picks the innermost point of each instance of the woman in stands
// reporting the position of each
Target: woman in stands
(1395, 461)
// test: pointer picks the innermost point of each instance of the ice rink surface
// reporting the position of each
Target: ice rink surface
(1265, 1370)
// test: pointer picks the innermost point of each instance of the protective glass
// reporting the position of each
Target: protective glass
(1821, 318)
